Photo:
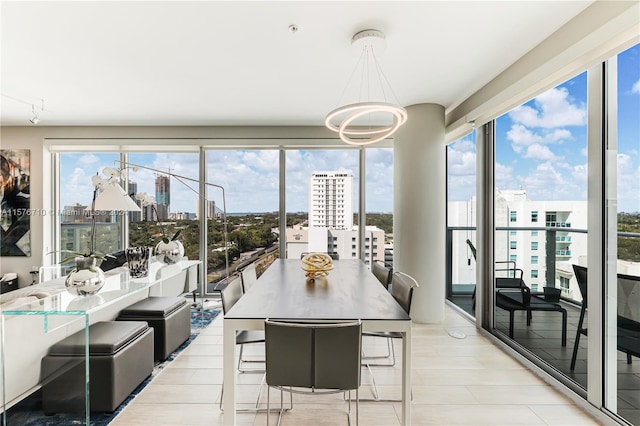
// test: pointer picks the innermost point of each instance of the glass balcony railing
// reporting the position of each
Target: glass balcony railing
(563, 253)
(563, 239)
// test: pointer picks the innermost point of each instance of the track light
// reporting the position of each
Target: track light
(35, 119)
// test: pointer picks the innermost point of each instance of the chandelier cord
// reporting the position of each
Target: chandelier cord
(353, 72)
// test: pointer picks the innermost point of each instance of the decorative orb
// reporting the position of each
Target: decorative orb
(316, 265)
(169, 253)
(86, 279)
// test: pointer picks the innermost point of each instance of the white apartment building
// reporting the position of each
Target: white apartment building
(331, 200)
(529, 243)
(344, 242)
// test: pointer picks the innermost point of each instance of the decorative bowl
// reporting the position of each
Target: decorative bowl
(316, 265)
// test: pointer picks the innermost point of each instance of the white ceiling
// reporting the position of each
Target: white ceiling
(236, 63)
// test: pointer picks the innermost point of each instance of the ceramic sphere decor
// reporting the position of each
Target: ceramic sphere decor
(316, 265)
(169, 252)
(86, 278)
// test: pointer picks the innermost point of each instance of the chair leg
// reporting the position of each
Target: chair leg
(391, 353)
(374, 388)
(575, 345)
(241, 361)
(511, 324)
(564, 327)
(628, 358)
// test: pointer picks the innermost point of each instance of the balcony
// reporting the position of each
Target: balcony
(540, 342)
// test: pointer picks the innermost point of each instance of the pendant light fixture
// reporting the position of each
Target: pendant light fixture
(373, 117)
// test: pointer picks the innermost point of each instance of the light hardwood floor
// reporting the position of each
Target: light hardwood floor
(466, 381)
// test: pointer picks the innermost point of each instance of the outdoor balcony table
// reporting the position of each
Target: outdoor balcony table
(349, 292)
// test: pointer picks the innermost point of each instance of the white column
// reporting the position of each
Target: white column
(419, 208)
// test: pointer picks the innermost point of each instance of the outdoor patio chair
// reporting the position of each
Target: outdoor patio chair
(628, 319)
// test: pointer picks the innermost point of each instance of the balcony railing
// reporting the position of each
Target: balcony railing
(548, 268)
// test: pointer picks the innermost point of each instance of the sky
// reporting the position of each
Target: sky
(249, 177)
(540, 147)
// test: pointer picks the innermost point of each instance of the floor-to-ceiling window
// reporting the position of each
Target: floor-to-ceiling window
(75, 197)
(171, 209)
(322, 202)
(379, 202)
(461, 222)
(624, 281)
(250, 179)
(540, 218)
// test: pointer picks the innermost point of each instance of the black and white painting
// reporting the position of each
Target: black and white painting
(15, 217)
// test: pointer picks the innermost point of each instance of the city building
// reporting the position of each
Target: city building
(278, 70)
(331, 200)
(132, 190)
(163, 196)
(210, 209)
(343, 242)
(523, 236)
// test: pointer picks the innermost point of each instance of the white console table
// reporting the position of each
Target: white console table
(36, 317)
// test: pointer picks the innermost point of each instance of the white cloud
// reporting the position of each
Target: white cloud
(636, 87)
(539, 152)
(88, 159)
(522, 137)
(628, 182)
(546, 182)
(554, 108)
(504, 177)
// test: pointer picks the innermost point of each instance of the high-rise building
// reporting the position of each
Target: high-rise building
(331, 200)
(210, 209)
(133, 189)
(163, 187)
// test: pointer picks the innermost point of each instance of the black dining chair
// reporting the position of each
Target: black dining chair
(313, 358)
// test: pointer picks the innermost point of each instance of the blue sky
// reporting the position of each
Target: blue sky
(541, 145)
(250, 177)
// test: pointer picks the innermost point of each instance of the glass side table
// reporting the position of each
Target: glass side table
(28, 331)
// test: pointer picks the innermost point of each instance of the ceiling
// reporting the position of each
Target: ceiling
(237, 63)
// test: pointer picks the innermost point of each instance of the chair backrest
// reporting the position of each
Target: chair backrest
(313, 355)
(249, 277)
(402, 286)
(382, 273)
(629, 299)
(581, 276)
(509, 282)
(231, 293)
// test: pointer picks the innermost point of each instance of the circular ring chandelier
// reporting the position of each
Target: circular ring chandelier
(344, 119)
(360, 135)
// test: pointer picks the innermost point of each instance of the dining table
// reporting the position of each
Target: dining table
(350, 291)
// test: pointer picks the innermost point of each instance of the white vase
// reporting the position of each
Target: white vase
(169, 253)
(86, 278)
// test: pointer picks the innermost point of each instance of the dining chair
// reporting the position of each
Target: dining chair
(313, 358)
(402, 287)
(249, 277)
(382, 273)
(230, 295)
